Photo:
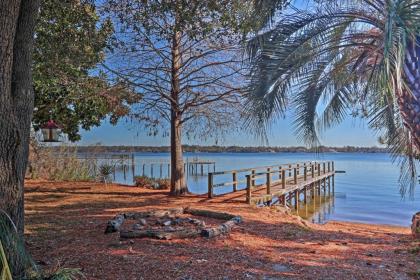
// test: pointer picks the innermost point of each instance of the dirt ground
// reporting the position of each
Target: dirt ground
(66, 223)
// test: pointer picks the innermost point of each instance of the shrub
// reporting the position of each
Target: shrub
(164, 184)
(105, 171)
(59, 164)
(143, 181)
(149, 183)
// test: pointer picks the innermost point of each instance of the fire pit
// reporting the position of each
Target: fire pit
(172, 224)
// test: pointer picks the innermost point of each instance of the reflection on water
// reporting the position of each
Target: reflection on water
(317, 209)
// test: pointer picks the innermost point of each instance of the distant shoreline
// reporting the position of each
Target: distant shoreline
(224, 149)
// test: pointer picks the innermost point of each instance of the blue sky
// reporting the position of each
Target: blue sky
(351, 132)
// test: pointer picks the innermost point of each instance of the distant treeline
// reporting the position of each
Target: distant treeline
(225, 149)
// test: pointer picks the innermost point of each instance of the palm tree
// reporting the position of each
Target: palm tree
(359, 57)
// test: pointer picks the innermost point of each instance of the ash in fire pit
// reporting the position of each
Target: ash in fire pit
(172, 224)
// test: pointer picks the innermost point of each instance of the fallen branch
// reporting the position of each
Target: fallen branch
(222, 229)
(209, 214)
(161, 234)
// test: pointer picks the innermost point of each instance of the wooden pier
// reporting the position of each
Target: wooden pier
(282, 183)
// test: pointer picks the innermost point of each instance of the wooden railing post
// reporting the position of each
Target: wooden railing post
(290, 170)
(305, 172)
(210, 185)
(323, 167)
(319, 169)
(234, 179)
(329, 167)
(248, 188)
(280, 172)
(268, 181)
(312, 170)
(283, 179)
(253, 177)
(295, 176)
(332, 163)
(298, 169)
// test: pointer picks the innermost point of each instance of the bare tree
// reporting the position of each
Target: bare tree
(185, 60)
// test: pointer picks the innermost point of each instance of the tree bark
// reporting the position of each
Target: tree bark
(409, 102)
(178, 184)
(17, 25)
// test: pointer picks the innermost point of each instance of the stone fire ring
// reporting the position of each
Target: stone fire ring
(199, 228)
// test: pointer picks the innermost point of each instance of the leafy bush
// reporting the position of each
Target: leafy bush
(149, 183)
(143, 181)
(164, 184)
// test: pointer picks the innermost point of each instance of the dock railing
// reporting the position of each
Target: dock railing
(289, 176)
(286, 174)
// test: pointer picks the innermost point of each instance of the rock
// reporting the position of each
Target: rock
(415, 225)
(167, 223)
(137, 227)
(143, 222)
(281, 268)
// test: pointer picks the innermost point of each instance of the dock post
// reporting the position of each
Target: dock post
(248, 188)
(234, 179)
(323, 167)
(313, 170)
(305, 172)
(144, 165)
(295, 176)
(329, 185)
(202, 170)
(305, 194)
(333, 183)
(298, 169)
(210, 185)
(268, 183)
(133, 166)
(312, 190)
(279, 172)
(161, 171)
(290, 170)
(253, 177)
(332, 163)
(151, 170)
(169, 170)
(319, 169)
(329, 168)
(296, 199)
(283, 179)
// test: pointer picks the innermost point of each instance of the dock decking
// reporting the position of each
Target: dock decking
(282, 182)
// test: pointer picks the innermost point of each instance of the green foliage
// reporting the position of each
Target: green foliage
(70, 42)
(105, 171)
(338, 59)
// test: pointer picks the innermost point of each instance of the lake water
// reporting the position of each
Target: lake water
(368, 192)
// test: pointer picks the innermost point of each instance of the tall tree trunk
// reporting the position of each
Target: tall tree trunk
(409, 102)
(17, 25)
(178, 185)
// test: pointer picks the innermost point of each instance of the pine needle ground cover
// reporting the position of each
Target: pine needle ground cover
(66, 221)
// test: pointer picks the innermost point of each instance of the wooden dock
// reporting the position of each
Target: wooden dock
(282, 183)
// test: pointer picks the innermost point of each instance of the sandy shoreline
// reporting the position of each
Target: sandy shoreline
(65, 224)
